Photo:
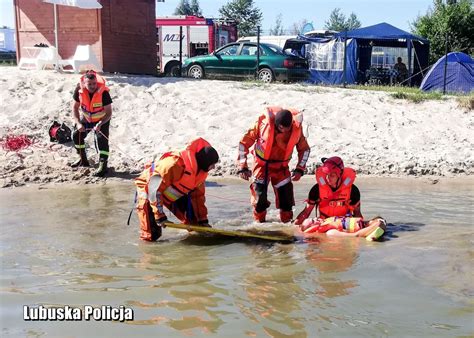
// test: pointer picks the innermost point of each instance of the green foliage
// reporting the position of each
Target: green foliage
(338, 21)
(417, 97)
(455, 20)
(186, 8)
(244, 12)
(195, 8)
(278, 29)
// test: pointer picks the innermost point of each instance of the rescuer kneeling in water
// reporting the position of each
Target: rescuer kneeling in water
(176, 181)
(337, 199)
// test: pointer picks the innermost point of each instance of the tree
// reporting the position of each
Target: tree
(278, 29)
(297, 27)
(353, 22)
(186, 8)
(455, 20)
(244, 13)
(338, 22)
(195, 8)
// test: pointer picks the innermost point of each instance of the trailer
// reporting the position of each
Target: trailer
(193, 36)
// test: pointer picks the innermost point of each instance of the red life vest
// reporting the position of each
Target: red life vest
(92, 109)
(263, 146)
(192, 176)
(335, 203)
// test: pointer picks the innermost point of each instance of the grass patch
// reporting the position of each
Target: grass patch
(466, 102)
(417, 97)
(7, 63)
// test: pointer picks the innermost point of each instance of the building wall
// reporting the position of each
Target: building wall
(122, 34)
(35, 24)
(129, 36)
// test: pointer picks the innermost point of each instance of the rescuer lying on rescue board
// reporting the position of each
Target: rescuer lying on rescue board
(275, 135)
(92, 110)
(338, 200)
(176, 181)
(345, 227)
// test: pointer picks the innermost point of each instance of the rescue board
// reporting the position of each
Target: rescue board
(273, 236)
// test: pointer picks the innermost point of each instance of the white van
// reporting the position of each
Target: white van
(279, 40)
(289, 43)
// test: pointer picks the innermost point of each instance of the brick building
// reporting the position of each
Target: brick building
(122, 34)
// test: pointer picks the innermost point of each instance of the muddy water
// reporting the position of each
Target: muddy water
(70, 246)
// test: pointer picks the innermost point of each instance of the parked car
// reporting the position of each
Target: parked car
(239, 60)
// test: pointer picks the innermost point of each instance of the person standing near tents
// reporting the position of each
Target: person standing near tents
(92, 110)
(275, 135)
(176, 181)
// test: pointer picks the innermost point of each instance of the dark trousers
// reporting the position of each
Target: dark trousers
(102, 139)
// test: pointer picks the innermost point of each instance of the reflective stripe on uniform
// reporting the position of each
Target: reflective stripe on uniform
(172, 194)
(242, 154)
(282, 183)
(304, 159)
(153, 186)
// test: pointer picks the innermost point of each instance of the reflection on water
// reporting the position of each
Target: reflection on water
(69, 246)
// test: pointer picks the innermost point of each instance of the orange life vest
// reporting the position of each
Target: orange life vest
(192, 176)
(335, 203)
(263, 146)
(92, 109)
(342, 224)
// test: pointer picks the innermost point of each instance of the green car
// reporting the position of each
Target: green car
(239, 60)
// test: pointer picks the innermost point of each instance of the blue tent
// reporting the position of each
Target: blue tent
(459, 74)
(386, 35)
(332, 72)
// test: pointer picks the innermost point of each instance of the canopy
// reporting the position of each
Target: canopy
(381, 31)
(85, 4)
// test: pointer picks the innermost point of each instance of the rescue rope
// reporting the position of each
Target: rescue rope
(115, 146)
(16, 142)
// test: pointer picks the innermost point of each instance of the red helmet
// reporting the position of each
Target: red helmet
(333, 164)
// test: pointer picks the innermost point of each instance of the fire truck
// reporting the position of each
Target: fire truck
(199, 36)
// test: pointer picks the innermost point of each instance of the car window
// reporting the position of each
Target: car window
(229, 50)
(251, 50)
(276, 49)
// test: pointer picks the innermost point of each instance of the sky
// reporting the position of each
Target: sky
(399, 13)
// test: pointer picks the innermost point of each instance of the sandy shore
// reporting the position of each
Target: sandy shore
(377, 135)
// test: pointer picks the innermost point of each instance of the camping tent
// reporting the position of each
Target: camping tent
(386, 35)
(359, 51)
(459, 74)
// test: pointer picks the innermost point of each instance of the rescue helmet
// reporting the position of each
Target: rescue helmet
(332, 164)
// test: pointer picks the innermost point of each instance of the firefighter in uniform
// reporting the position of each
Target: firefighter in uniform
(92, 110)
(175, 181)
(274, 136)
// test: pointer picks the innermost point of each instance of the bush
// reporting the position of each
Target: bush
(466, 102)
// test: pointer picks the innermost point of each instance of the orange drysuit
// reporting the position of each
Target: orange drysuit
(272, 153)
(173, 181)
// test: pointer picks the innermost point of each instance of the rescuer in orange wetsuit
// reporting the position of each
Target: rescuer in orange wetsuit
(275, 135)
(176, 181)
